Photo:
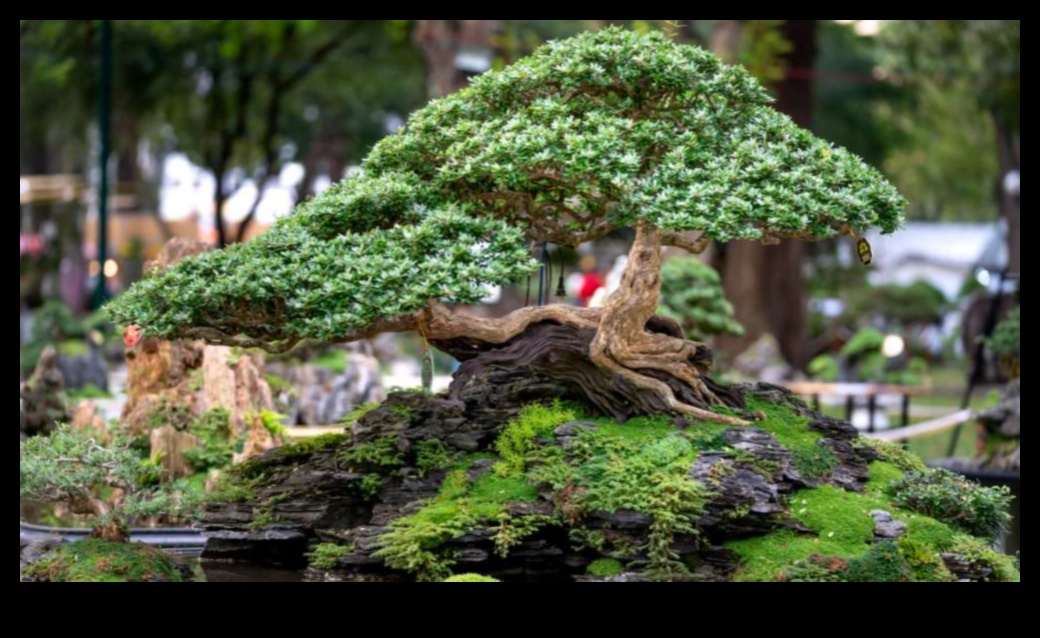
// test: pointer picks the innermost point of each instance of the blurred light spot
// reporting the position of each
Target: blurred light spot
(983, 277)
(893, 346)
(23, 186)
(111, 268)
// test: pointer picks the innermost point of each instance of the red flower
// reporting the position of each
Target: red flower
(132, 336)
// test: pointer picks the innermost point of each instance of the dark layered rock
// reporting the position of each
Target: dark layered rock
(310, 499)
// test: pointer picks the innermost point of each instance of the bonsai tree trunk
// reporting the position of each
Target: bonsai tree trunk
(624, 359)
(112, 531)
(625, 347)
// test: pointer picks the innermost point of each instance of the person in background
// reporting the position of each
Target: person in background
(591, 281)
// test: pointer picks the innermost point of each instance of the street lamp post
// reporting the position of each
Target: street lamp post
(104, 115)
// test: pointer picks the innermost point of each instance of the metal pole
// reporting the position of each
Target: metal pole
(104, 115)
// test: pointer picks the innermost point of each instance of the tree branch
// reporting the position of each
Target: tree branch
(695, 243)
(317, 57)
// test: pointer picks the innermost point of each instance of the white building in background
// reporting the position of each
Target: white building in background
(943, 254)
(187, 191)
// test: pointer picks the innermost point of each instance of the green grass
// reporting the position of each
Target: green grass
(97, 561)
(470, 578)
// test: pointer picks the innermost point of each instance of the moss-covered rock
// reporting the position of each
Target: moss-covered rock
(97, 561)
(471, 578)
(522, 485)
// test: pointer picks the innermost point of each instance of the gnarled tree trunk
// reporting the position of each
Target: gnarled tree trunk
(623, 358)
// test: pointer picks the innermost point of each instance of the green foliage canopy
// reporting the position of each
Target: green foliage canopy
(587, 135)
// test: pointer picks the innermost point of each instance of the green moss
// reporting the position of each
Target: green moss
(638, 467)
(882, 476)
(357, 413)
(97, 561)
(380, 453)
(606, 568)
(814, 463)
(883, 563)
(789, 428)
(937, 536)
(310, 447)
(765, 558)
(417, 543)
(1005, 569)
(89, 392)
(925, 564)
(327, 556)
(520, 437)
(471, 578)
(895, 454)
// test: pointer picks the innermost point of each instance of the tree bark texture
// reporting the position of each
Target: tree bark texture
(625, 360)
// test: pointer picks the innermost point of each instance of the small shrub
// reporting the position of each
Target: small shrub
(326, 557)
(606, 568)
(380, 453)
(945, 496)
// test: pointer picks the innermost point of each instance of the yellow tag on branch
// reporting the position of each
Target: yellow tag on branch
(866, 253)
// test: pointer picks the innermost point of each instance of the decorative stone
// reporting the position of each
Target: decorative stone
(887, 528)
(169, 446)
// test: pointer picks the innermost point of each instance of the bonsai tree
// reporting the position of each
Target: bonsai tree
(692, 294)
(607, 130)
(71, 467)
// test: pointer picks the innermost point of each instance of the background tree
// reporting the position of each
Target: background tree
(603, 131)
(974, 67)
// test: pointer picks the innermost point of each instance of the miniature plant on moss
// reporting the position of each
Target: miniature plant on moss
(980, 511)
(605, 568)
(520, 438)
(607, 130)
(357, 413)
(612, 469)
(511, 531)
(310, 447)
(370, 486)
(471, 578)
(327, 556)
(434, 456)
(420, 543)
(383, 452)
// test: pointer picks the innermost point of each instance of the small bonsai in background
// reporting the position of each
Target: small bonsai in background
(692, 294)
(1006, 343)
(863, 360)
(110, 485)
